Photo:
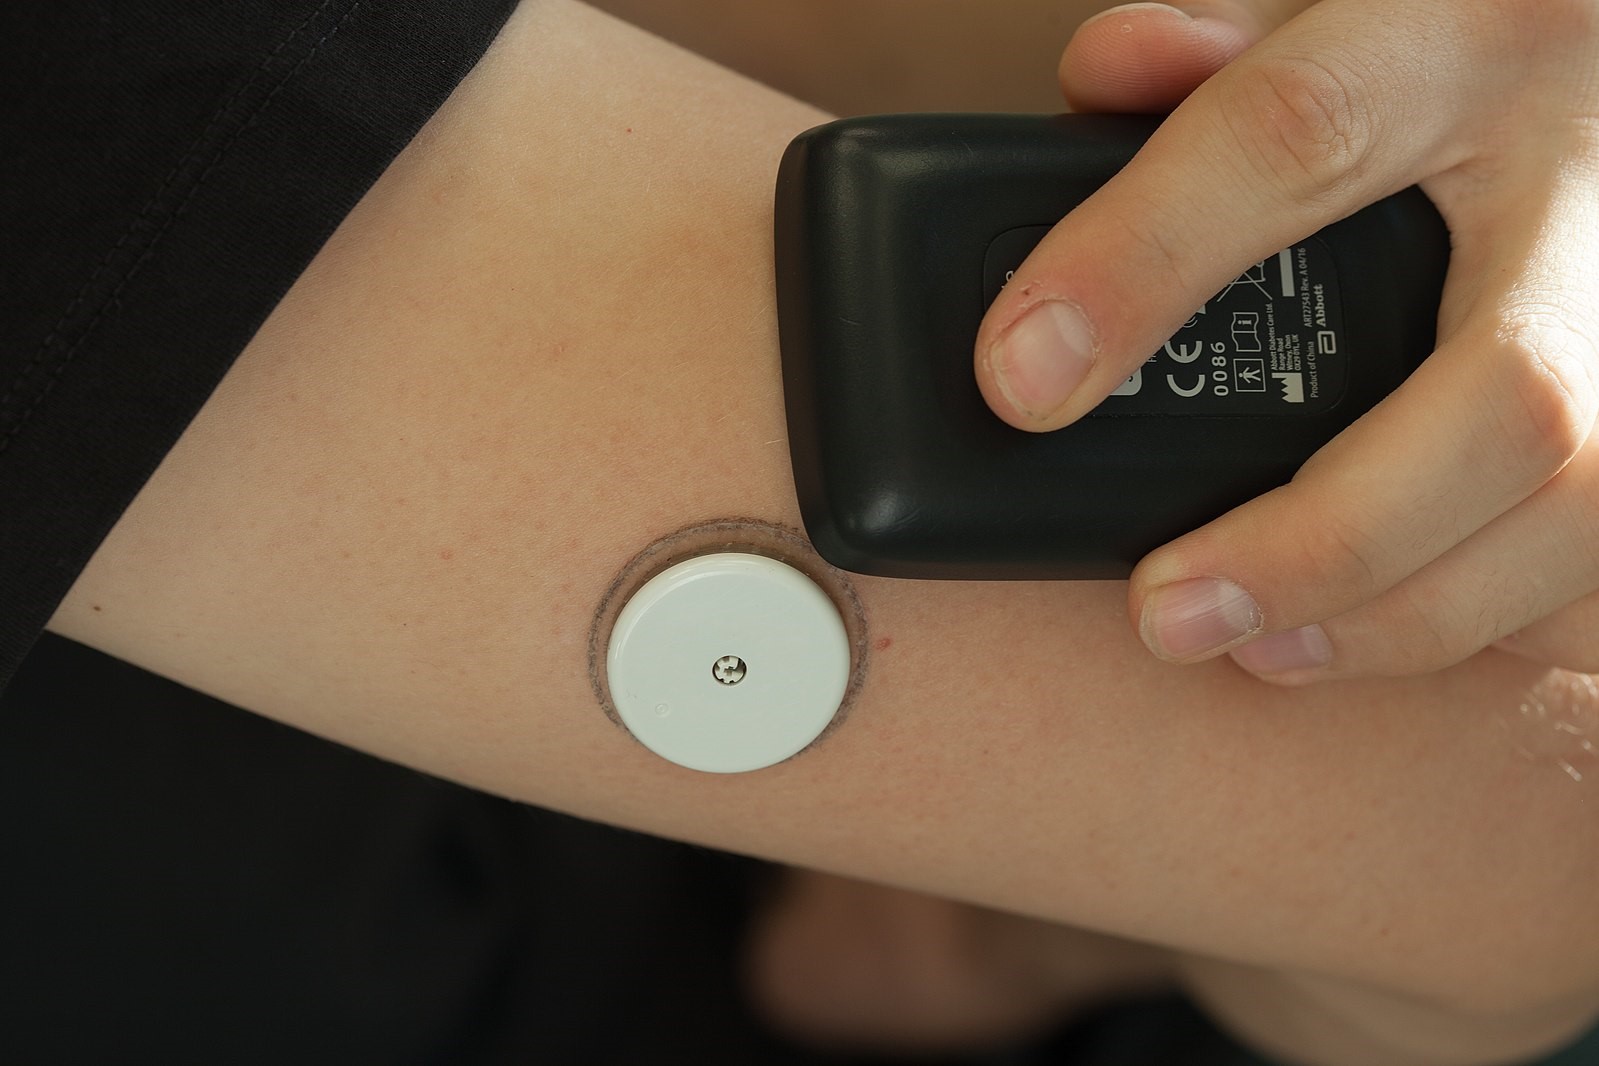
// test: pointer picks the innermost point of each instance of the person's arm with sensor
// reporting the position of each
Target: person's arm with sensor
(544, 341)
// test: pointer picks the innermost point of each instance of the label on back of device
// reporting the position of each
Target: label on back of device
(1270, 343)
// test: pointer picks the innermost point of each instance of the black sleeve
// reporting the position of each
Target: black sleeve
(167, 169)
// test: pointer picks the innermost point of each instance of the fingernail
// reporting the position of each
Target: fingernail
(1043, 358)
(1187, 619)
(1306, 648)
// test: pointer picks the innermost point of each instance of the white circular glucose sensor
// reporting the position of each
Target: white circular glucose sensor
(728, 662)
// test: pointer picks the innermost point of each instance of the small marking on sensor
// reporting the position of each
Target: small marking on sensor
(729, 670)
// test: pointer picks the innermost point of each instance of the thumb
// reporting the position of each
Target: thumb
(1145, 58)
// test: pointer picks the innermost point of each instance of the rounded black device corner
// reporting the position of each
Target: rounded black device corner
(838, 549)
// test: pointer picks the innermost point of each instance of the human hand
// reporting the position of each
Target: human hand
(1464, 509)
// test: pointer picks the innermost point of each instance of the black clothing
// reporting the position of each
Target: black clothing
(186, 884)
(167, 169)
(180, 881)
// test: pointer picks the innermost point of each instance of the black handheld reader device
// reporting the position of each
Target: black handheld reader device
(894, 234)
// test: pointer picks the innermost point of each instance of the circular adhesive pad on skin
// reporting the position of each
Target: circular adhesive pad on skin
(728, 662)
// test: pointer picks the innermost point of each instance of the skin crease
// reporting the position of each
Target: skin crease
(393, 522)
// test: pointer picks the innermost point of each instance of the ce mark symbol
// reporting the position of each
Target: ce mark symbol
(1199, 385)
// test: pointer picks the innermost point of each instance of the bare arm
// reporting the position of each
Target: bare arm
(545, 340)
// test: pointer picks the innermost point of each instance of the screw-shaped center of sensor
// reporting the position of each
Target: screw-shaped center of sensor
(729, 670)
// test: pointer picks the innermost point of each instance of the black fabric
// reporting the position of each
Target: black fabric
(167, 169)
(183, 882)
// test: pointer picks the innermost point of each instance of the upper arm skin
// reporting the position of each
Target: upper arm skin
(546, 338)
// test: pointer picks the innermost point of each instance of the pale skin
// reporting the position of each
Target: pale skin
(545, 339)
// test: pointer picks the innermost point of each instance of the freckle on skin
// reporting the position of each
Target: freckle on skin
(97, 607)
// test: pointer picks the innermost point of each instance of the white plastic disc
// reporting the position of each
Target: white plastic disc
(727, 663)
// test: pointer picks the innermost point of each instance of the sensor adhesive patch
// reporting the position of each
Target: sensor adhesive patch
(728, 662)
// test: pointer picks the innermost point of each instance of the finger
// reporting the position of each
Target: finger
(1475, 431)
(1507, 404)
(1303, 129)
(1145, 58)
(1569, 638)
(1539, 559)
